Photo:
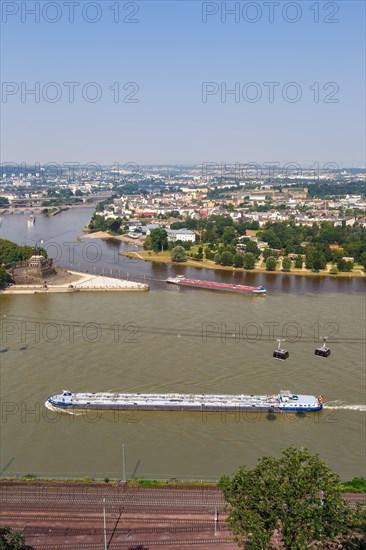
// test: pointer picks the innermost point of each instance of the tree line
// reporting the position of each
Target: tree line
(222, 234)
(112, 225)
(11, 252)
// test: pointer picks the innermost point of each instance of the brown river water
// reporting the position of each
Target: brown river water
(172, 339)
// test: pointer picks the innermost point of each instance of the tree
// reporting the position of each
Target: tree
(271, 263)
(298, 262)
(3, 276)
(159, 239)
(186, 244)
(209, 254)
(12, 540)
(363, 260)
(315, 258)
(147, 243)
(286, 264)
(267, 252)
(238, 260)
(249, 260)
(297, 496)
(227, 258)
(309, 261)
(344, 265)
(251, 246)
(11, 252)
(114, 225)
(217, 258)
(228, 235)
(178, 254)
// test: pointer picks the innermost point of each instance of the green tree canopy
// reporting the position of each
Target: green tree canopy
(3, 276)
(286, 235)
(271, 263)
(228, 235)
(344, 265)
(209, 254)
(298, 262)
(251, 246)
(12, 540)
(178, 254)
(159, 239)
(217, 258)
(12, 252)
(238, 259)
(249, 260)
(227, 258)
(286, 264)
(147, 243)
(297, 497)
(363, 259)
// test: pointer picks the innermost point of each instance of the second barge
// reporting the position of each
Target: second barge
(208, 285)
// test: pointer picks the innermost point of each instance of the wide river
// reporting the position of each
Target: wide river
(174, 340)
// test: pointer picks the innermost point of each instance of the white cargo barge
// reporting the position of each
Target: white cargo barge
(282, 402)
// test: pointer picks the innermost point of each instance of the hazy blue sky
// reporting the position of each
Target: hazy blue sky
(169, 52)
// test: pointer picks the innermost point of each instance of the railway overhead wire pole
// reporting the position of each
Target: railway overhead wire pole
(104, 526)
(123, 463)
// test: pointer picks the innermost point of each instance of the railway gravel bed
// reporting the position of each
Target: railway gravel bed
(70, 515)
(66, 515)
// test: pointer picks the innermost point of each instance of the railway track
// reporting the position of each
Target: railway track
(68, 516)
(143, 545)
(171, 497)
(36, 531)
(101, 486)
(77, 497)
(124, 518)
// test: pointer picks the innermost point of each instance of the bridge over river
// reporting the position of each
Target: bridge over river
(38, 209)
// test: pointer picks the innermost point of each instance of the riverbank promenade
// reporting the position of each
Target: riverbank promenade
(80, 282)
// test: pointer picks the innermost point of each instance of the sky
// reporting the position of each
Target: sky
(149, 82)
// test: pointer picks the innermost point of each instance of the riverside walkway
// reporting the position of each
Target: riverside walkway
(101, 282)
(80, 282)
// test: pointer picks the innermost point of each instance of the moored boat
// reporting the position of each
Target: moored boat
(282, 402)
(211, 285)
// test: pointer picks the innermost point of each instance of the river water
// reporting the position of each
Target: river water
(173, 339)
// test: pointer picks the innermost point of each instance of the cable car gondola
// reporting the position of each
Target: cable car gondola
(323, 351)
(279, 353)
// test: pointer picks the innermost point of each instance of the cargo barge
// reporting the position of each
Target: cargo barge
(282, 402)
(208, 285)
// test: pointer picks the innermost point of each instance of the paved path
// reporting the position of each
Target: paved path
(85, 282)
(95, 282)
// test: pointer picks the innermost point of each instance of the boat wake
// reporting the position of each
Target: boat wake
(64, 411)
(339, 406)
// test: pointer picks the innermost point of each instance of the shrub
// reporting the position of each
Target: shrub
(178, 254)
